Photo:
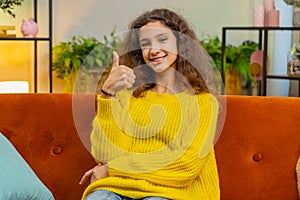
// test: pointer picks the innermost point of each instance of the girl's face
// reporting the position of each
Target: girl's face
(159, 46)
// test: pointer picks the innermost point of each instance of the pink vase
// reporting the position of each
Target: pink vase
(273, 18)
(257, 57)
(258, 15)
(268, 5)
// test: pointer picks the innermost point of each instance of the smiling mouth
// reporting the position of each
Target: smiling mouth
(157, 60)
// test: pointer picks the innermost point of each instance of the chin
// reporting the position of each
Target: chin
(159, 68)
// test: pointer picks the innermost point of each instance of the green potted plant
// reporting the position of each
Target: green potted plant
(236, 64)
(213, 47)
(7, 6)
(84, 54)
(238, 59)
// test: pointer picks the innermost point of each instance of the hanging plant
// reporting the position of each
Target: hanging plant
(7, 6)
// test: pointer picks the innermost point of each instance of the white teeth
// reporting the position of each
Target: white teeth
(157, 59)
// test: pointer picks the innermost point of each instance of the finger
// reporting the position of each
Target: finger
(115, 59)
(127, 77)
(131, 80)
(131, 77)
(93, 178)
(131, 74)
(86, 176)
(83, 179)
(120, 85)
(128, 84)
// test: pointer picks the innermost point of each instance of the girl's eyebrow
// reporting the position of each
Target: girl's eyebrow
(161, 34)
(157, 36)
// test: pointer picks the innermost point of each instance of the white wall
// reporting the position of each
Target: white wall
(281, 47)
(98, 17)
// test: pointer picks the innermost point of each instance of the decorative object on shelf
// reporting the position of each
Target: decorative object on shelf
(265, 14)
(233, 82)
(296, 16)
(258, 15)
(271, 14)
(257, 57)
(255, 70)
(84, 55)
(296, 11)
(14, 87)
(7, 31)
(268, 6)
(273, 18)
(293, 65)
(7, 6)
(29, 28)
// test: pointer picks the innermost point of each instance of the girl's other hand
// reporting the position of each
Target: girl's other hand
(98, 172)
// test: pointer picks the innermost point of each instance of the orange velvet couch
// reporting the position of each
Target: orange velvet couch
(256, 152)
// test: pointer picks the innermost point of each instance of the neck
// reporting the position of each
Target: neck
(167, 82)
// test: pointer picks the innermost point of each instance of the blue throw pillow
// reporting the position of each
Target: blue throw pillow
(18, 181)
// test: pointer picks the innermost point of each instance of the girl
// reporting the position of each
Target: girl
(153, 133)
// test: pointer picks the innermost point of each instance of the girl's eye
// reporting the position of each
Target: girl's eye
(164, 39)
(145, 44)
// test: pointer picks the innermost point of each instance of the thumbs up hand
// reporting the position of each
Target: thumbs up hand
(120, 77)
(115, 59)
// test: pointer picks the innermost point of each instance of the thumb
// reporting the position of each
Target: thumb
(115, 59)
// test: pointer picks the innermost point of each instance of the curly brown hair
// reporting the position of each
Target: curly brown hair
(192, 61)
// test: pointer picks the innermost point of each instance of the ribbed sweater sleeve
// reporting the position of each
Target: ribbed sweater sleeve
(107, 138)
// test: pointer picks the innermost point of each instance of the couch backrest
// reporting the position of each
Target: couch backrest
(42, 128)
(258, 149)
(256, 152)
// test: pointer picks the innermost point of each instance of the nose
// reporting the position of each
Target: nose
(154, 49)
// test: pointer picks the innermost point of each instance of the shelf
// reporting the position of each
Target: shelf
(262, 28)
(35, 41)
(24, 39)
(284, 77)
(262, 45)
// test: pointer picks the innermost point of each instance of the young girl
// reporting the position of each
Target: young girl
(156, 120)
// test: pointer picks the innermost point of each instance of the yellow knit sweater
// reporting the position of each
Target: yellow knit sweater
(157, 145)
